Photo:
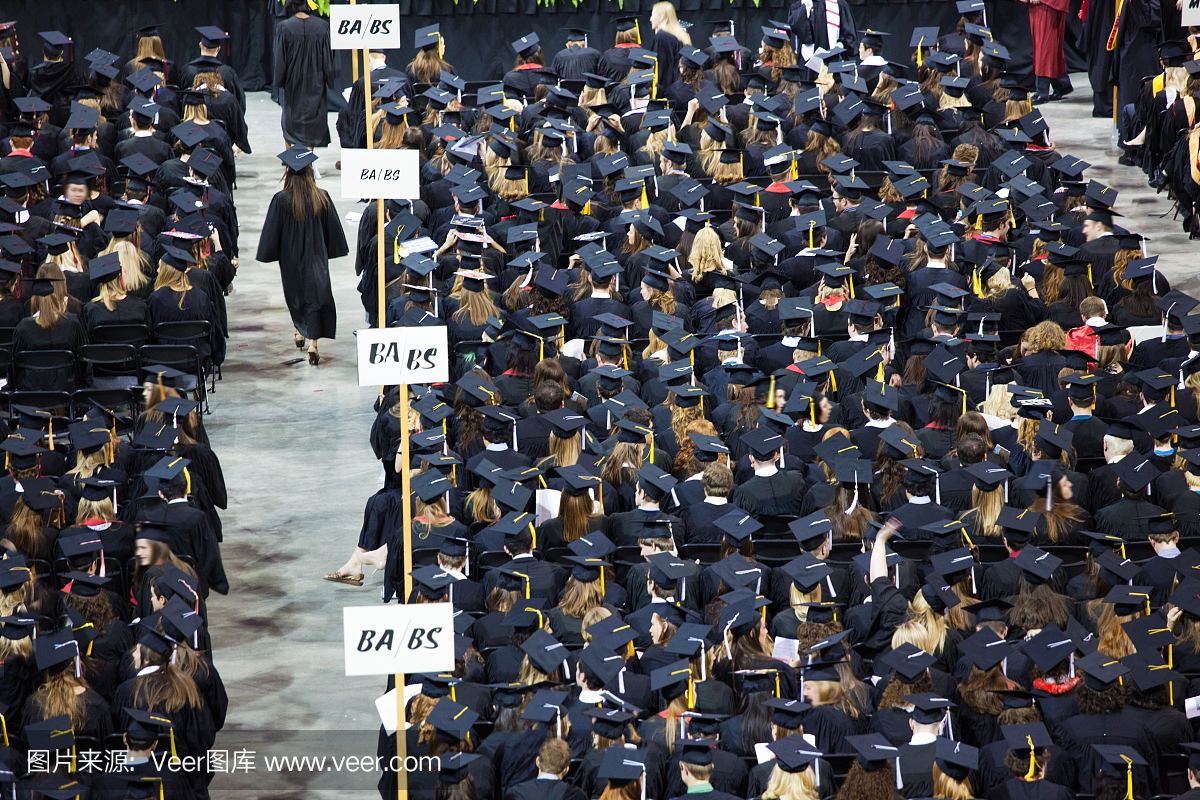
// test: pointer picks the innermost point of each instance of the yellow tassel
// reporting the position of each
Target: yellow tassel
(4, 726)
(396, 251)
(645, 197)
(920, 42)
(1032, 762)
(174, 754)
(1128, 777)
(850, 281)
(526, 577)
(771, 394)
(188, 476)
(777, 695)
(1090, 281)
(833, 381)
(811, 225)
(533, 535)
(52, 430)
(691, 692)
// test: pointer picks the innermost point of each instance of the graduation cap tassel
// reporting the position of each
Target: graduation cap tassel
(949, 729)
(1032, 762)
(1128, 776)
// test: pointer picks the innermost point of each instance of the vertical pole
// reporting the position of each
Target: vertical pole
(406, 486)
(381, 278)
(354, 61)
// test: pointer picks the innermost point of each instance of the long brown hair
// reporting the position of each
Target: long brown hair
(979, 692)
(580, 597)
(49, 310)
(25, 529)
(166, 689)
(57, 696)
(308, 200)
(577, 513)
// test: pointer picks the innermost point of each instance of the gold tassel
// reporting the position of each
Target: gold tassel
(533, 535)
(811, 225)
(771, 395)
(1032, 762)
(1128, 777)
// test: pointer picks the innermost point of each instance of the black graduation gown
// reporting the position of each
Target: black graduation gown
(130, 310)
(1017, 789)
(781, 493)
(96, 721)
(545, 790)
(55, 82)
(193, 727)
(164, 306)
(67, 335)
(303, 250)
(304, 69)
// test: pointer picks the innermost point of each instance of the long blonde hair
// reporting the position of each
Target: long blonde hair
(783, 785)
(173, 279)
(671, 25)
(475, 306)
(832, 693)
(133, 261)
(706, 254)
(946, 788)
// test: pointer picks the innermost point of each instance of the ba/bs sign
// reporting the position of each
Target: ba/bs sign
(390, 174)
(391, 639)
(374, 27)
(391, 356)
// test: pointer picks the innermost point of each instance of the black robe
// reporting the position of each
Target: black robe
(304, 69)
(303, 249)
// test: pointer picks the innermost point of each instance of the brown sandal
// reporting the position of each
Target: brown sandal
(351, 580)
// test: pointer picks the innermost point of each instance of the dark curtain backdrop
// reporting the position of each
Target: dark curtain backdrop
(477, 34)
(109, 24)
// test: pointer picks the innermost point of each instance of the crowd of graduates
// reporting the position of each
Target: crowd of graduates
(814, 428)
(119, 245)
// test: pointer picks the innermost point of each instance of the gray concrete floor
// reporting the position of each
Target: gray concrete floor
(293, 442)
(1074, 131)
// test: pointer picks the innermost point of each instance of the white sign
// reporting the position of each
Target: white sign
(390, 174)
(364, 27)
(1191, 13)
(391, 356)
(393, 639)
